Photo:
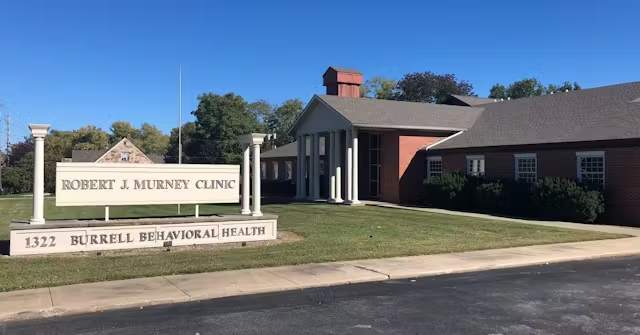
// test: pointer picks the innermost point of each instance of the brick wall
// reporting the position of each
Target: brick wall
(622, 172)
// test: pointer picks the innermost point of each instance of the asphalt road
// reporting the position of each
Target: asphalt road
(594, 297)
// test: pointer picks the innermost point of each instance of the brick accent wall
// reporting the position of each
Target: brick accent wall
(622, 172)
(115, 154)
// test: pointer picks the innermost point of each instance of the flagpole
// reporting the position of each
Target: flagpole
(179, 118)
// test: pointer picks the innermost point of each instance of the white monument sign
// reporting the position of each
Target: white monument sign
(111, 184)
(114, 184)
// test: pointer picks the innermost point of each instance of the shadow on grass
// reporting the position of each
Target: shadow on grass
(4, 247)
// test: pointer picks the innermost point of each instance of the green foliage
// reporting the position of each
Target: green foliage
(281, 120)
(122, 129)
(449, 190)
(529, 87)
(562, 199)
(189, 144)
(18, 178)
(152, 140)
(379, 88)
(431, 87)
(498, 91)
(548, 198)
(220, 120)
(90, 138)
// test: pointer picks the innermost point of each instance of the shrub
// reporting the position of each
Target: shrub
(563, 199)
(489, 196)
(548, 198)
(448, 190)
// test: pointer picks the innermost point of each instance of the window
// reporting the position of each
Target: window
(434, 167)
(275, 170)
(475, 165)
(591, 167)
(375, 165)
(263, 170)
(526, 169)
(124, 156)
(288, 165)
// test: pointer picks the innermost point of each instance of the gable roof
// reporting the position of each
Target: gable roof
(379, 113)
(467, 100)
(602, 113)
(287, 150)
(88, 156)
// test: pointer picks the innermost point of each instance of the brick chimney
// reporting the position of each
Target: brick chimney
(342, 82)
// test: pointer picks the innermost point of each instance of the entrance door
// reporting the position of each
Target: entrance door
(374, 166)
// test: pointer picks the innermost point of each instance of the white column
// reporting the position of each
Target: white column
(38, 131)
(332, 167)
(316, 166)
(256, 181)
(338, 165)
(349, 165)
(298, 167)
(246, 174)
(354, 192)
(303, 168)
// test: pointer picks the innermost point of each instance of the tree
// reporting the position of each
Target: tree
(431, 87)
(529, 87)
(498, 91)
(525, 88)
(262, 111)
(379, 88)
(152, 140)
(122, 129)
(282, 120)
(91, 138)
(565, 86)
(189, 147)
(220, 120)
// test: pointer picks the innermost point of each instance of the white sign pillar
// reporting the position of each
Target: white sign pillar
(253, 140)
(38, 131)
(246, 174)
(256, 181)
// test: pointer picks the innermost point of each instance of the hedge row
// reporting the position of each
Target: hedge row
(548, 198)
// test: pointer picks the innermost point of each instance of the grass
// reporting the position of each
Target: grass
(330, 232)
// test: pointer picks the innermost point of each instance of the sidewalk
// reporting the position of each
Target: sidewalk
(93, 297)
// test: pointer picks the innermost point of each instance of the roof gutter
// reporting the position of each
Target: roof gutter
(382, 126)
(428, 147)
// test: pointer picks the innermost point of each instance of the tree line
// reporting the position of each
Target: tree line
(220, 119)
(431, 87)
(211, 138)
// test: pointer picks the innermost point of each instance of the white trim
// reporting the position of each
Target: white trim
(383, 126)
(517, 157)
(590, 154)
(443, 140)
(434, 159)
(527, 155)
(475, 157)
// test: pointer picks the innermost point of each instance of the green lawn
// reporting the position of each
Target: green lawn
(330, 232)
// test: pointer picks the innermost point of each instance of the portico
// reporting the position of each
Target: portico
(338, 170)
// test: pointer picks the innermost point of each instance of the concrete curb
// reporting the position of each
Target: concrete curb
(141, 292)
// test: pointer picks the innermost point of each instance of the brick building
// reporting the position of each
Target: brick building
(122, 152)
(382, 149)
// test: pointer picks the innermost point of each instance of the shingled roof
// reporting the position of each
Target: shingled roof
(467, 100)
(378, 113)
(603, 113)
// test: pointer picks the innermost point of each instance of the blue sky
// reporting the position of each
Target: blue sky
(71, 63)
